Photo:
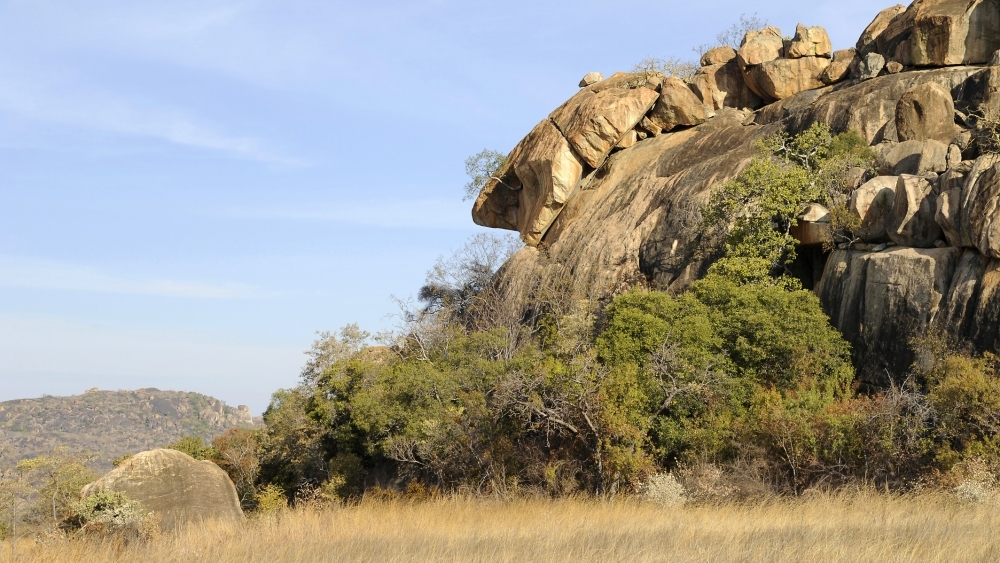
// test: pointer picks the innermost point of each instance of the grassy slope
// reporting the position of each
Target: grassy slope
(861, 528)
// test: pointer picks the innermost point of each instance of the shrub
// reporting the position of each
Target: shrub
(111, 513)
(270, 499)
(664, 489)
(193, 446)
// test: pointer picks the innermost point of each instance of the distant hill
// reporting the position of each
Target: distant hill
(109, 424)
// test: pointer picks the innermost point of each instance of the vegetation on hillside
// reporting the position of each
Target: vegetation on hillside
(109, 424)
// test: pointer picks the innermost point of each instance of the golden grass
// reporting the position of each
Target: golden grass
(822, 529)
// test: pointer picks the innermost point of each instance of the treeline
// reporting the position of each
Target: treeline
(737, 386)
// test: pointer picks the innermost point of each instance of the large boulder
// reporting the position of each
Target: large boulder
(870, 66)
(894, 41)
(174, 486)
(926, 112)
(812, 226)
(911, 220)
(981, 210)
(878, 300)
(809, 42)
(953, 32)
(677, 105)
(591, 78)
(549, 171)
(916, 157)
(840, 66)
(867, 41)
(594, 122)
(718, 55)
(722, 85)
(783, 78)
(873, 203)
(760, 46)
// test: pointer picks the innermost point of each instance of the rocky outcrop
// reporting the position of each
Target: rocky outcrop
(928, 247)
(174, 486)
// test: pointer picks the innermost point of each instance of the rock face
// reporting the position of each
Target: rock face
(954, 32)
(722, 85)
(175, 486)
(549, 171)
(926, 112)
(911, 220)
(927, 252)
(980, 212)
(594, 122)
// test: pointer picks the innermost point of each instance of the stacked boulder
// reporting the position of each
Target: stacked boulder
(554, 161)
(776, 69)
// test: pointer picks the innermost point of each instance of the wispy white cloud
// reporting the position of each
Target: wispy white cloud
(82, 107)
(25, 272)
(430, 213)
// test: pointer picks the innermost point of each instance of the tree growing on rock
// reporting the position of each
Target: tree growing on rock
(480, 167)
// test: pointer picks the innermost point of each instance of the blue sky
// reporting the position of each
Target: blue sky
(190, 189)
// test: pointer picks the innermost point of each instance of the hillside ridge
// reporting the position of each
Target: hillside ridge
(109, 424)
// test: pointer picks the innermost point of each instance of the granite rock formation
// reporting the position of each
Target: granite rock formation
(930, 249)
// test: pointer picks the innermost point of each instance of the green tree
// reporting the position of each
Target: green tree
(747, 221)
(480, 168)
(194, 446)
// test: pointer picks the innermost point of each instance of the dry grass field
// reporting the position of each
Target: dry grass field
(868, 527)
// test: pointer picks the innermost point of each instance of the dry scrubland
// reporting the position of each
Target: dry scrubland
(869, 527)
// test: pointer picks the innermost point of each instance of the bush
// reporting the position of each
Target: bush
(110, 513)
(193, 446)
(664, 489)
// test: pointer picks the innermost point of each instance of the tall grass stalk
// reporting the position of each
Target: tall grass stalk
(858, 527)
